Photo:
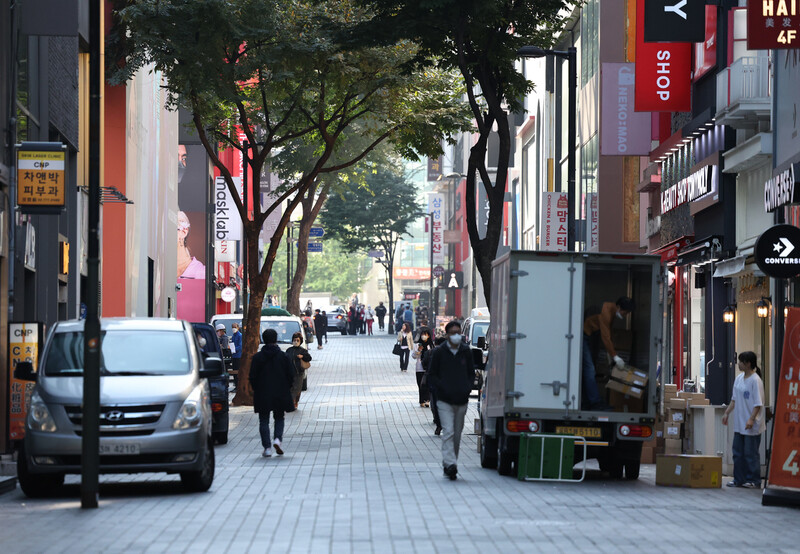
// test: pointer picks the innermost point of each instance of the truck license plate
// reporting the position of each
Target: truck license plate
(589, 432)
(119, 449)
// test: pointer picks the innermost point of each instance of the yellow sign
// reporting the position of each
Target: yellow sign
(40, 178)
(590, 432)
(23, 346)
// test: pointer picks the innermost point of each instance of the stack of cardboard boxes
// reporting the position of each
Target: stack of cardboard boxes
(627, 388)
(673, 429)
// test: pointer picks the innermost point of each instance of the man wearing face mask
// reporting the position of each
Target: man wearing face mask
(601, 323)
(451, 373)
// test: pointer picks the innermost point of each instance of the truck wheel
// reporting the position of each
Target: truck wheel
(221, 437)
(615, 468)
(488, 451)
(36, 485)
(200, 480)
(632, 470)
(505, 458)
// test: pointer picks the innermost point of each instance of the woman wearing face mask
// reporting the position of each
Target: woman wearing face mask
(296, 353)
(406, 340)
(423, 348)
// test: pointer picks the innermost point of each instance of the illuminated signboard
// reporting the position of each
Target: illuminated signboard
(772, 24)
(41, 177)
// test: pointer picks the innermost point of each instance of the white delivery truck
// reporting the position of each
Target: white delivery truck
(533, 383)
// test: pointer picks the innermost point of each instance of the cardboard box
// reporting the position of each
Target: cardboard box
(673, 446)
(683, 470)
(670, 388)
(673, 430)
(698, 399)
(676, 404)
(620, 387)
(630, 376)
(675, 416)
(625, 402)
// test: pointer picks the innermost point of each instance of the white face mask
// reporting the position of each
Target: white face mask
(455, 340)
(202, 342)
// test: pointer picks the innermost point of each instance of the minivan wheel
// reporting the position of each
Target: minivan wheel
(200, 481)
(36, 485)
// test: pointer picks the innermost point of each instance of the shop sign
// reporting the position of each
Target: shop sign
(412, 273)
(784, 464)
(674, 21)
(554, 221)
(436, 209)
(623, 132)
(772, 24)
(778, 251)
(593, 223)
(41, 177)
(23, 346)
(663, 72)
(452, 280)
(695, 186)
(780, 190)
(227, 223)
(705, 51)
(434, 168)
(225, 250)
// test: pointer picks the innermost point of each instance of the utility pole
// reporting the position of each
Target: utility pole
(90, 422)
(245, 276)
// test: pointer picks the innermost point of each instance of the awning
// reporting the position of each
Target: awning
(700, 252)
(730, 267)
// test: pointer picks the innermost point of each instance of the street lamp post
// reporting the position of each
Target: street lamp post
(571, 56)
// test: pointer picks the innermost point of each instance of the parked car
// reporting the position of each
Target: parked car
(337, 318)
(473, 329)
(218, 384)
(155, 404)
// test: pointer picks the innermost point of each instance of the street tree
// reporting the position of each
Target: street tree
(375, 215)
(480, 40)
(270, 76)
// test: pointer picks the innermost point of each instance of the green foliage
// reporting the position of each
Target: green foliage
(333, 270)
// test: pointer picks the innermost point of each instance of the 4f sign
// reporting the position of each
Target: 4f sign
(772, 24)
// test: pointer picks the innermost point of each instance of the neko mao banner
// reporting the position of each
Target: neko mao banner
(623, 131)
(436, 211)
(663, 72)
(554, 222)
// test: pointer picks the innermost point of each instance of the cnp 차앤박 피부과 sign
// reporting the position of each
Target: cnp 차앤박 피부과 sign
(40, 178)
(23, 346)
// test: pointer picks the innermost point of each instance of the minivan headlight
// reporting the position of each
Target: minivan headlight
(39, 417)
(190, 413)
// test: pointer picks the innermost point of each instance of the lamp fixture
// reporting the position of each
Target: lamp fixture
(729, 313)
(762, 307)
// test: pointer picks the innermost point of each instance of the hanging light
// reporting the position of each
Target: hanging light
(728, 314)
(762, 308)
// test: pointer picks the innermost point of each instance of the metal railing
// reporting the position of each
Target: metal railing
(748, 79)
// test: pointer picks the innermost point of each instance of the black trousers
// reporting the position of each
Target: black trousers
(434, 409)
(404, 355)
(424, 395)
(319, 339)
(380, 322)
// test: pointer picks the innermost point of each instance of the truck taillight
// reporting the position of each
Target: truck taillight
(522, 426)
(641, 431)
(216, 407)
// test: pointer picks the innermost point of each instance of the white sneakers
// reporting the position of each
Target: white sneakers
(267, 453)
(276, 444)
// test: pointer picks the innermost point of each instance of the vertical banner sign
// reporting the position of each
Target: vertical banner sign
(41, 177)
(784, 465)
(663, 72)
(23, 346)
(772, 24)
(623, 132)
(592, 234)
(434, 169)
(225, 250)
(227, 223)
(436, 209)
(673, 20)
(554, 222)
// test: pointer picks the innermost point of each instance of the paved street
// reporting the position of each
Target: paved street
(362, 473)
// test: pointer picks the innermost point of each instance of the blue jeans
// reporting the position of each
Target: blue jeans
(591, 396)
(263, 427)
(746, 459)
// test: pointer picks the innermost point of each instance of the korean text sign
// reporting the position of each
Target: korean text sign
(554, 222)
(436, 210)
(23, 346)
(40, 178)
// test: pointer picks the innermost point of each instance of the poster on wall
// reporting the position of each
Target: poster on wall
(554, 222)
(23, 346)
(193, 184)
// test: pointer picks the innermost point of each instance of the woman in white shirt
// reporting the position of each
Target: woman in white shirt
(747, 405)
(406, 339)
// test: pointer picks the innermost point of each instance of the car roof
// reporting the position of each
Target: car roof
(125, 323)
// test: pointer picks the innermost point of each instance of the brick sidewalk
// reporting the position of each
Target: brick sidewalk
(362, 473)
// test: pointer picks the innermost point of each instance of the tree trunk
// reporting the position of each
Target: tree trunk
(390, 289)
(311, 208)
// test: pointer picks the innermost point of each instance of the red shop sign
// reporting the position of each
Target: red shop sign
(663, 72)
(773, 24)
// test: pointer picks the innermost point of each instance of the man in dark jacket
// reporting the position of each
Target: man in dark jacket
(380, 311)
(320, 325)
(451, 374)
(271, 376)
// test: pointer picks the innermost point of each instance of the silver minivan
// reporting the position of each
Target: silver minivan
(155, 409)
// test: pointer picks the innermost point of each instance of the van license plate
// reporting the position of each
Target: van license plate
(119, 449)
(589, 432)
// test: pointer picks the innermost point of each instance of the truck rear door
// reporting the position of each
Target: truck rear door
(549, 308)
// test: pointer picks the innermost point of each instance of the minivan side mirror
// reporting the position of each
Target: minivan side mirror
(482, 343)
(477, 359)
(24, 371)
(212, 367)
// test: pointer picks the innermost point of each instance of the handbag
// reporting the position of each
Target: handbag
(397, 350)
(304, 364)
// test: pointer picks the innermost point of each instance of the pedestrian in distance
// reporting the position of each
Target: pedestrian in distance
(271, 376)
(452, 372)
(600, 323)
(352, 320)
(224, 340)
(398, 318)
(236, 351)
(320, 322)
(406, 340)
(297, 355)
(370, 317)
(362, 319)
(408, 317)
(422, 355)
(325, 325)
(380, 312)
(747, 406)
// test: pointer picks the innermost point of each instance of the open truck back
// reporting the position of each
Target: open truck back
(533, 381)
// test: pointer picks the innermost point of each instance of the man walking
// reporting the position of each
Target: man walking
(451, 373)
(380, 311)
(408, 317)
(320, 321)
(236, 351)
(271, 376)
(325, 326)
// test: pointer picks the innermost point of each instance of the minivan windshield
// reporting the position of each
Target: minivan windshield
(123, 353)
(479, 329)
